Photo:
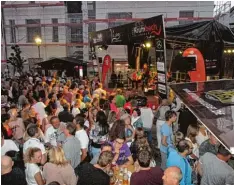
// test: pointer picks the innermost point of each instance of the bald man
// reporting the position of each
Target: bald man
(11, 176)
(172, 176)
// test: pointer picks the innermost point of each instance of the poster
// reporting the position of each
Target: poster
(162, 78)
(162, 89)
(160, 66)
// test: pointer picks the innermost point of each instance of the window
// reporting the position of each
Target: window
(90, 6)
(12, 27)
(186, 14)
(33, 31)
(119, 15)
(92, 27)
(55, 37)
(76, 35)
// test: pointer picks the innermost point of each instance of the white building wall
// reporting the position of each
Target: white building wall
(20, 15)
(146, 9)
(226, 19)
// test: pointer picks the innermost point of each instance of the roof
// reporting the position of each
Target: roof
(60, 63)
(198, 31)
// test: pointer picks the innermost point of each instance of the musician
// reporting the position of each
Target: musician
(145, 76)
(136, 77)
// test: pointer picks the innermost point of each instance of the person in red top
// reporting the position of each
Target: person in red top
(130, 105)
(113, 106)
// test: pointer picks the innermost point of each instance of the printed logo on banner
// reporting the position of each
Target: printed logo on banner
(161, 78)
(161, 58)
(159, 45)
(115, 37)
(160, 66)
(162, 88)
(98, 39)
(140, 29)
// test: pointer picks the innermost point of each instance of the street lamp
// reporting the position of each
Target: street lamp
(38, 43)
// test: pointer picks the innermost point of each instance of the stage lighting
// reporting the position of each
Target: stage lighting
(233, 51)
(180, 52)
(229, 51)
(103, 47)
(148, 44)
(225, 51)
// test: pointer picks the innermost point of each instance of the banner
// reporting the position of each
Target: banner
(160, 51)
(129, 33)
(105, 67)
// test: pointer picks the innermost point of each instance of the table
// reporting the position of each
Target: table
(119, 177)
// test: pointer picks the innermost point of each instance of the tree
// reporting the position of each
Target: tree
(16, 60)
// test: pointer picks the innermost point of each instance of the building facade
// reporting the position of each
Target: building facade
(64, 31)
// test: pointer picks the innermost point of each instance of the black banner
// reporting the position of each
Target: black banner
(132, 32)
(161, 67)
(152, 28)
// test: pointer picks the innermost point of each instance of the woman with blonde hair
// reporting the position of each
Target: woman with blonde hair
(17, 126)
(58, 168)
(192, 132)
(202, 134)
(76, 107)
(33, 173)
(95, 103)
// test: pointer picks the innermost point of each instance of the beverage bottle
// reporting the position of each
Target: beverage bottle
(112, 177)
(121, 171)
(125, 179)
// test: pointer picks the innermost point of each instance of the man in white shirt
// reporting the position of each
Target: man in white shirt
(39, 108)
(54, 135)
(99, 91)
(7, 145)
(82, 136)
(33, 142)
(147, 118)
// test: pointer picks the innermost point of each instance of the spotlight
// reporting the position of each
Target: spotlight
(229, 51)
(103, 47)
(180, 52)
(233, 51)
(148, 44)
(225, 51)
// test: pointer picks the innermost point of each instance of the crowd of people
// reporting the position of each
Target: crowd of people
(59, 131)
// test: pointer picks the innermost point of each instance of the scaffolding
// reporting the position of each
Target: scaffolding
(77, 26)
